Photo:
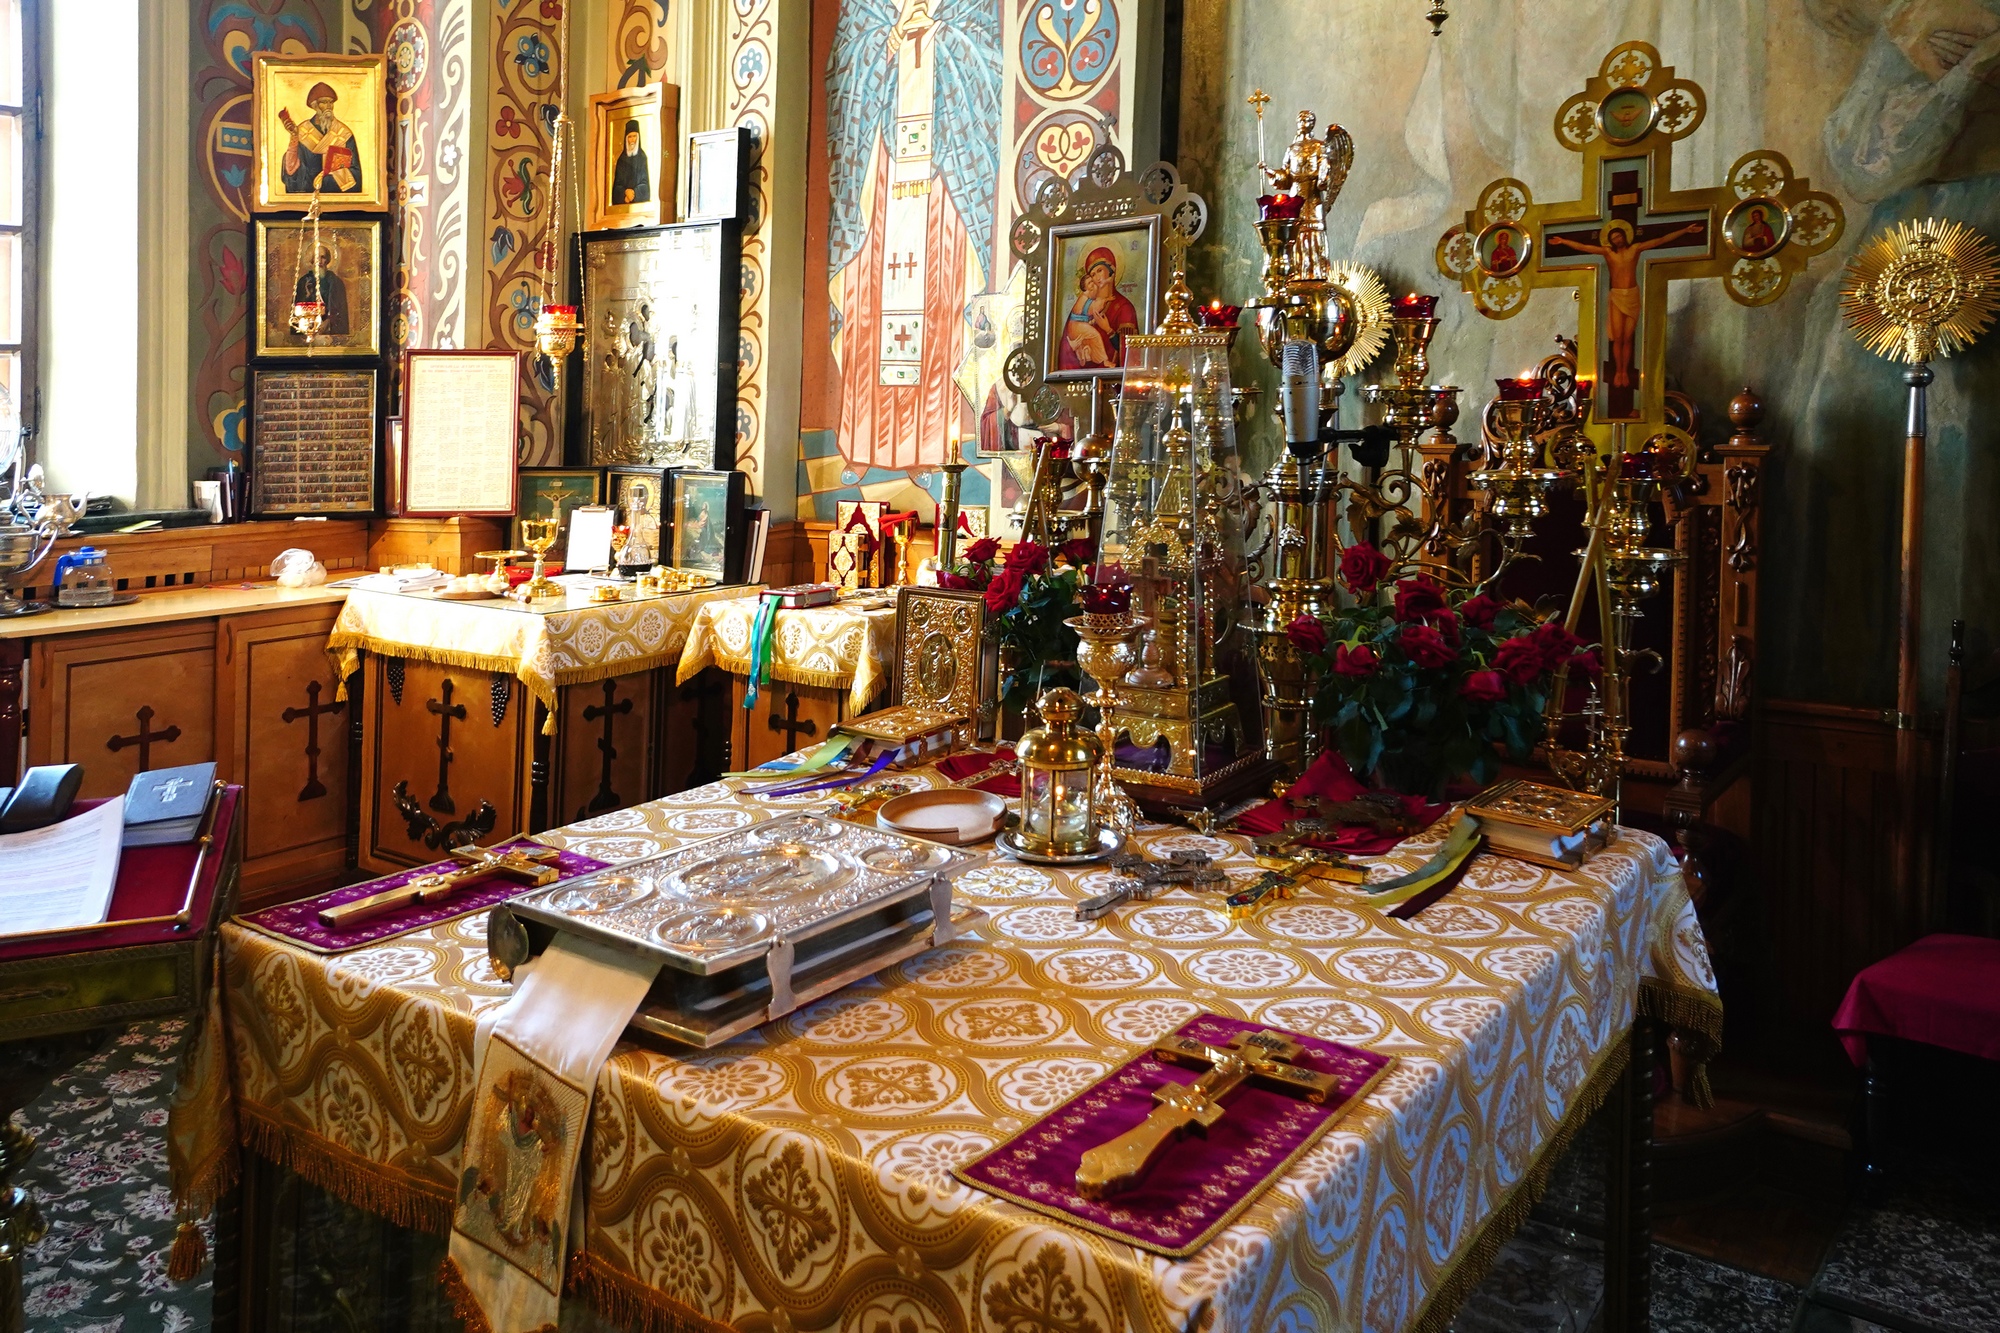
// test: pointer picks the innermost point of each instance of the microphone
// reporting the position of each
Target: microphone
(1299, 366)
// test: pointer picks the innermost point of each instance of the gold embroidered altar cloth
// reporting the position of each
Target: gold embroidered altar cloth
(546, 647)
(835, 647)
(799, 1178)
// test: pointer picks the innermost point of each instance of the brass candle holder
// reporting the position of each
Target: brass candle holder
(1518, 487)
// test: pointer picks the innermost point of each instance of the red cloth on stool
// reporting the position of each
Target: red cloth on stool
(1944, 990)
(1330, 777)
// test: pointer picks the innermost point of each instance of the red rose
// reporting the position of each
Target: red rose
(1356, 661)
(1077, 551)
(1447, 624)
(1479, 611)
(1486, 687)
(1004, 593)
(1363, 567)
(1418, 599)
(1518, 659)
(1554, 643)
(1585, 664)
(1308, 635)
(983, 550)
(1426, 647)
(1028, 558)
(958, 582)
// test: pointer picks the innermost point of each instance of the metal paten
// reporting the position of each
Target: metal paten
(751, 925)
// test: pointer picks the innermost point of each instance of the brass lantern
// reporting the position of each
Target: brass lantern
(1058, 811)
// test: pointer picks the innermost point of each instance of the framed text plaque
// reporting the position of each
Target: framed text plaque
(459, 423)
(312, 442)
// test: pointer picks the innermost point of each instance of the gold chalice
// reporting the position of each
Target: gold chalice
(538, 535)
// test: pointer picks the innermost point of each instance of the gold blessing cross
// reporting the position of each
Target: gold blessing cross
(1269, 1057)
(527, 864)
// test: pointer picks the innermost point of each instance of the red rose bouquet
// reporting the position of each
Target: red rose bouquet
(1028, 597)
(1434, 685)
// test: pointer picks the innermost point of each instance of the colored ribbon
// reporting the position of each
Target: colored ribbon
(1463, 840)
(761, 648)
(826, 754)
(882, 761)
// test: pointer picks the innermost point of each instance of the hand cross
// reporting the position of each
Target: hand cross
(1268, 1057)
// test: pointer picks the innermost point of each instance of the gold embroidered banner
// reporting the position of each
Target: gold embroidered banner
(832, 647)
(805, 1170)
(545, 649)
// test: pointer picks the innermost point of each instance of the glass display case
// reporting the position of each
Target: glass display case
(1186, 724)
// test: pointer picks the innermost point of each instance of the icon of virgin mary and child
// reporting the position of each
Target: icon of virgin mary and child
(1094, 332)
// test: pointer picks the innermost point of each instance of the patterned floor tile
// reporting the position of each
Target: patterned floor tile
(99, 1175)
(1696, 1295)
(1921, 1261)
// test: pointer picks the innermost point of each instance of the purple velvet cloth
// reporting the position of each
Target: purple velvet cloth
(298, 922)
(1198, 1185)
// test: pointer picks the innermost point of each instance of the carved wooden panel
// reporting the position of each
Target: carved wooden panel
(445, 758)
(282, 734)
(604, 748)
(785, 718)
(1827, 811)
(122, 702)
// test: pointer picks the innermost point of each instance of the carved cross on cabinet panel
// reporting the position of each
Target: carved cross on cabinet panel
(445, 711)
(790, 724)
(605, 799)
(314, 788)
(145, 737)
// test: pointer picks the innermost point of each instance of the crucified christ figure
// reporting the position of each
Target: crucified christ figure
(1621, 256)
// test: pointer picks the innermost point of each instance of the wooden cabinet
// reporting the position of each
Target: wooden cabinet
(785, 718)
(241, 678)
(123, 702)
(281, 733)
(445, 753)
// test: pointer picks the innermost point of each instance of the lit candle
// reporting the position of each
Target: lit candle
(1414, 306)
(1525, 389)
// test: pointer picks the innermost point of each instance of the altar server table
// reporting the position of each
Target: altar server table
(500, 718)
(799, 1178)
(827, 664)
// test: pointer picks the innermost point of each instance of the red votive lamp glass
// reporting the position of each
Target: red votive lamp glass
(1414, 306)
(1272, 206)
(1107, 599)
(1216, 315)
(1523, 390)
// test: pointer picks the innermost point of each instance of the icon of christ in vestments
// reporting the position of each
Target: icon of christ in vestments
(1620, 253)
(321, 154)
(913, 93)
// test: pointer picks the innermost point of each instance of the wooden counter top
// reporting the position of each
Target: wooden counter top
(165, 607)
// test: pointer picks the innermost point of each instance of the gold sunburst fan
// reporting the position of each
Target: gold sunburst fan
(1921, 290)
(1364, 287)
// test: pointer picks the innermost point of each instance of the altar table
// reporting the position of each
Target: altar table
(490, 718)
(828, 663)
(799, 1177)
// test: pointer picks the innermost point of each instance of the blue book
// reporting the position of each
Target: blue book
(166, 805)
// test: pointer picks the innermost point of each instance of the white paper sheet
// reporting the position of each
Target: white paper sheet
(589, 537)
(61, 876)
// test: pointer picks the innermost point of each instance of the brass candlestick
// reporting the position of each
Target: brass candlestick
(947, 533)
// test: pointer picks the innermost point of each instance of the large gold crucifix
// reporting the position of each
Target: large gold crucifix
(1631, 233)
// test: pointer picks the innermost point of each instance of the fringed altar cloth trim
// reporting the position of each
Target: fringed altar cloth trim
(630, 1303)
(1698, 1018)
(1471, 1264)
(349, 1177)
